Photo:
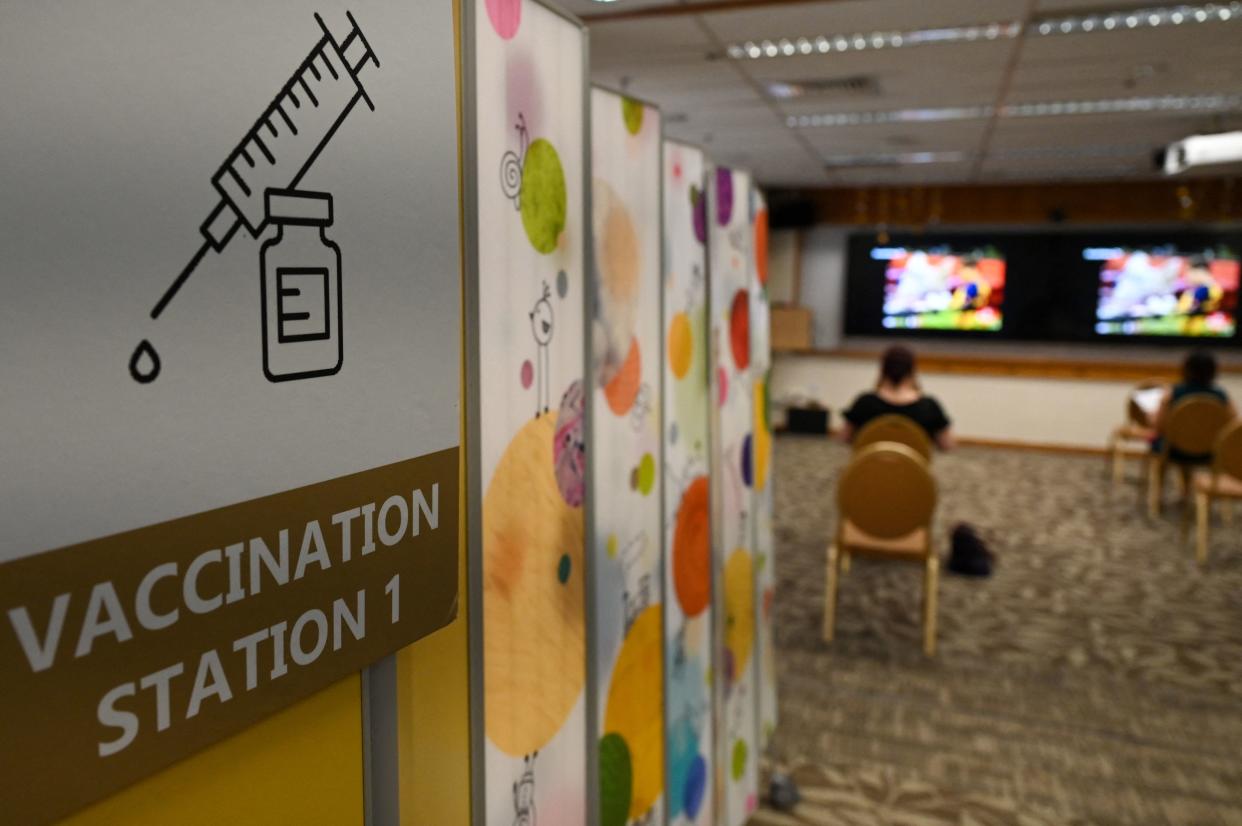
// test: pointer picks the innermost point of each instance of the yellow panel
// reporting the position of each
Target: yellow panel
(434, 716)
(301, 766)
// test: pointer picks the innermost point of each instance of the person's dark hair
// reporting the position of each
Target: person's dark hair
(1199, 369)
(897, 364)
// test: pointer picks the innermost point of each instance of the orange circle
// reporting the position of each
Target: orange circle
(739, 329)
(622, 389)
(761, 245)
(680, 345)
(692, 577)
(533, 631)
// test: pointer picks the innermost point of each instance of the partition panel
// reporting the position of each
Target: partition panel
(688, 614)
(527, 250)
(626, 713)
(761, 366)
(732, 474)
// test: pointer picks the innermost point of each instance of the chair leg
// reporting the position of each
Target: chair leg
(931, 581)
(845, 562)
(830, 593)
(1114, 449)
(1203, 514)
(1226, 512)
(1155, 483)
(1187, 499)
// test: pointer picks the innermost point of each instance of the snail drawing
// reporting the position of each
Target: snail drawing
(541, 328)
(511, 164)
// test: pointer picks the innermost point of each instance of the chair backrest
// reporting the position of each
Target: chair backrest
(1228, 454)
(893, 427)
(1135, 414)
(887, 491)
(1194, 423)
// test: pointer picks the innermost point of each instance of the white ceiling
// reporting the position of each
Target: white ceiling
(678, 61)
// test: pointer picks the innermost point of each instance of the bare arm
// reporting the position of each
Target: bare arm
(845, 433)
(944, 439)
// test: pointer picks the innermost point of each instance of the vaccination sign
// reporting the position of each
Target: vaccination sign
(230, 319)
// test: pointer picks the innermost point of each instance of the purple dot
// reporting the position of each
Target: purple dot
(724, 195)
(528, 374)
(747, 465)
(696, 785)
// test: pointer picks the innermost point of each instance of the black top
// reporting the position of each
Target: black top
(926, 412)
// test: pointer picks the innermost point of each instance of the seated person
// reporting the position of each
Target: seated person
(898, 392)
(1198, 377)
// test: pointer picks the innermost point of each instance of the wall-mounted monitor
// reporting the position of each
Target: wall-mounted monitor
(942, 288)
(1166, 291)
(1170, 287)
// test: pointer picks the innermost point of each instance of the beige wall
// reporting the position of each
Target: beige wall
(1068, 412)
(783, 266)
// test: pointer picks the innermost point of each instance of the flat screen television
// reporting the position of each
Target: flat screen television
(1166, 291)
(942, 288)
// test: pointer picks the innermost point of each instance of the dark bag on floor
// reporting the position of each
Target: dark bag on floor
(969, 556)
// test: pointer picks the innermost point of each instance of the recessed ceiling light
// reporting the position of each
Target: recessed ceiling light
(1153, 17)
(1167, 103)
(893, 159)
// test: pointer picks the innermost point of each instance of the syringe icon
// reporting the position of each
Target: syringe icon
(275, 153)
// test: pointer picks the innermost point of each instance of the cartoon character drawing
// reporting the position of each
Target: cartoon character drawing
(512, 164)
(524, 793)
(922, 285)
(541, 322)
(641, 408)
(1145, 286)
(636, 595)
(973, 290)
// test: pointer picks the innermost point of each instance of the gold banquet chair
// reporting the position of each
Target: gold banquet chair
(1223, 481)
(886, 499)
(1191, 428)
(893, 427)
(1134, 432)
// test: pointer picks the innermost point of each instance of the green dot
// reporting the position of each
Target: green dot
(616, 780)
(739, 759)
(646, 474)
(543, 196)
(563, 568)
(632, 112)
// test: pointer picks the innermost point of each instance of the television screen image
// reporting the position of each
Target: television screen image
(942, 289)
(1166, 292)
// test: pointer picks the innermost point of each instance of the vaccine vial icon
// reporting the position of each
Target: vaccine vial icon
(301, 290)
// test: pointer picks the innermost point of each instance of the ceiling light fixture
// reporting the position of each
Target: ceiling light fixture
(1153, 17)
(893, 159)
(1146, 18)
(1166, 103)
(862, 41)
(947, 113)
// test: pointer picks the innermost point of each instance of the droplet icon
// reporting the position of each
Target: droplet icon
(144, 364)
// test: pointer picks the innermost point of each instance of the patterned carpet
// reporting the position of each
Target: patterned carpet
(1095, 678)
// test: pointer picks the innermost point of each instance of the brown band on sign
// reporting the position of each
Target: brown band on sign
(122, 655)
